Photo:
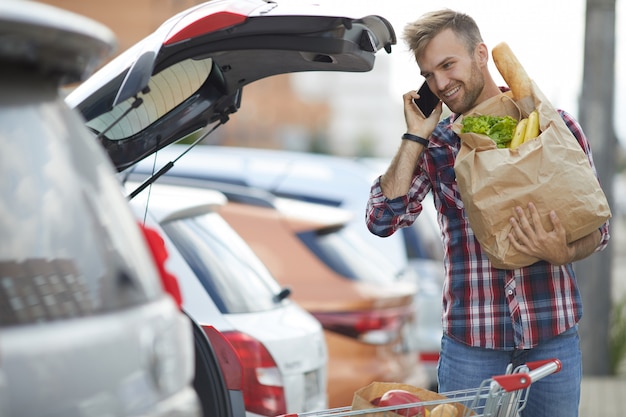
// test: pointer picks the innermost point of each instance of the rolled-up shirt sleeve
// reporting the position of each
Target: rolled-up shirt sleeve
(605, 236)
(384, 216)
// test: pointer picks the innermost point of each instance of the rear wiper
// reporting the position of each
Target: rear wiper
(170, 164)
(284, 293)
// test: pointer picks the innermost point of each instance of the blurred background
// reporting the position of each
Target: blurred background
(361, 113)
(575, 50)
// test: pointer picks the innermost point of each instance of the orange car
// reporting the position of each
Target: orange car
(365, 312)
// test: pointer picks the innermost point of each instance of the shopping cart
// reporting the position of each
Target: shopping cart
(500, 396)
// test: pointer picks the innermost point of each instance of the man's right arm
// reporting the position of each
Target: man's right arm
(397, 180)
(394, 199)
(389, 206)
(384, 216)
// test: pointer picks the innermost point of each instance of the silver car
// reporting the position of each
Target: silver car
(85, 326)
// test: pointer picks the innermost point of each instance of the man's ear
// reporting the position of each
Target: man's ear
(481, 53)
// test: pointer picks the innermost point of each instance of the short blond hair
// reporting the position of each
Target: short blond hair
(418, 34)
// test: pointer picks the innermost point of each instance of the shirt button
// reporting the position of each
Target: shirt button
(510, 292)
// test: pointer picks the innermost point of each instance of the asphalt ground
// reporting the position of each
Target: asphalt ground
(603, 397)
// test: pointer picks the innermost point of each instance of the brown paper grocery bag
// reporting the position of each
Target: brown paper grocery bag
(551, 171)
(362, 399)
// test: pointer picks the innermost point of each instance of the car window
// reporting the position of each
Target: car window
(167, 89)
(36, 290)
(235, 278)
(68, 248)
(349, 255)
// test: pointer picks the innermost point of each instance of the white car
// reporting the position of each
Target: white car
(281, 346)
(416, 252)
(367, 315)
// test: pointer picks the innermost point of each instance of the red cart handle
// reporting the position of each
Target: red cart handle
(539, 369)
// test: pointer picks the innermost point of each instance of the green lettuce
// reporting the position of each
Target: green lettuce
(500, 129)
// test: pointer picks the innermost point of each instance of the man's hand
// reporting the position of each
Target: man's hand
(416, 123)
(529, 236)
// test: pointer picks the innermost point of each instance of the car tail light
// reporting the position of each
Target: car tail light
(159, 253)
(204, 25)
(429, 357)
(263, 391)
(376, 327)
(230, 364)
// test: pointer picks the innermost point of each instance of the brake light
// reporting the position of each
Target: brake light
(230, 364)
(377, 327)
(204, 25)
(429, 357)
(156, 244)
(263, 391)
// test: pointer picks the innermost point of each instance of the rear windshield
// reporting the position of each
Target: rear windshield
(346, 253)
(236, 280)
(166, 90)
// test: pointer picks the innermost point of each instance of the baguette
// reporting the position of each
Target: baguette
(444, 410)
(512, 71)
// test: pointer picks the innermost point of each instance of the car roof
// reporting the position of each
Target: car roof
(301, 214)
(327, 179)
(60, 44)
(190, 72)
(270, 169)
(168, 202)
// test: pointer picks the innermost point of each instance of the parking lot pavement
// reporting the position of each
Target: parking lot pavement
(603, 396)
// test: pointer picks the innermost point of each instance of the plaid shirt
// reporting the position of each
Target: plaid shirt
(482, 306)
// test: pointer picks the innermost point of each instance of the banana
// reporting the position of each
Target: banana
(519, 134)
(532, 130)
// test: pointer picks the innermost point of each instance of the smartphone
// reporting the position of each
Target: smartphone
(427, 101)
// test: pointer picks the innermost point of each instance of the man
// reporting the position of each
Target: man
(492, 317)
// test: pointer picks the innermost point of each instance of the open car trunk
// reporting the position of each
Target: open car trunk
(191, 71)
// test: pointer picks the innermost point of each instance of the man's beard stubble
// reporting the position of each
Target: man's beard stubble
(472, 89)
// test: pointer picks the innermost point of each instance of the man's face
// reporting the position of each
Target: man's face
(452, 73)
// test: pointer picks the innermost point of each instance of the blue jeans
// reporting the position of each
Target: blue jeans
(464, 367)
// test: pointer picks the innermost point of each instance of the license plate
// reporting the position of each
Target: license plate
(311, 389)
